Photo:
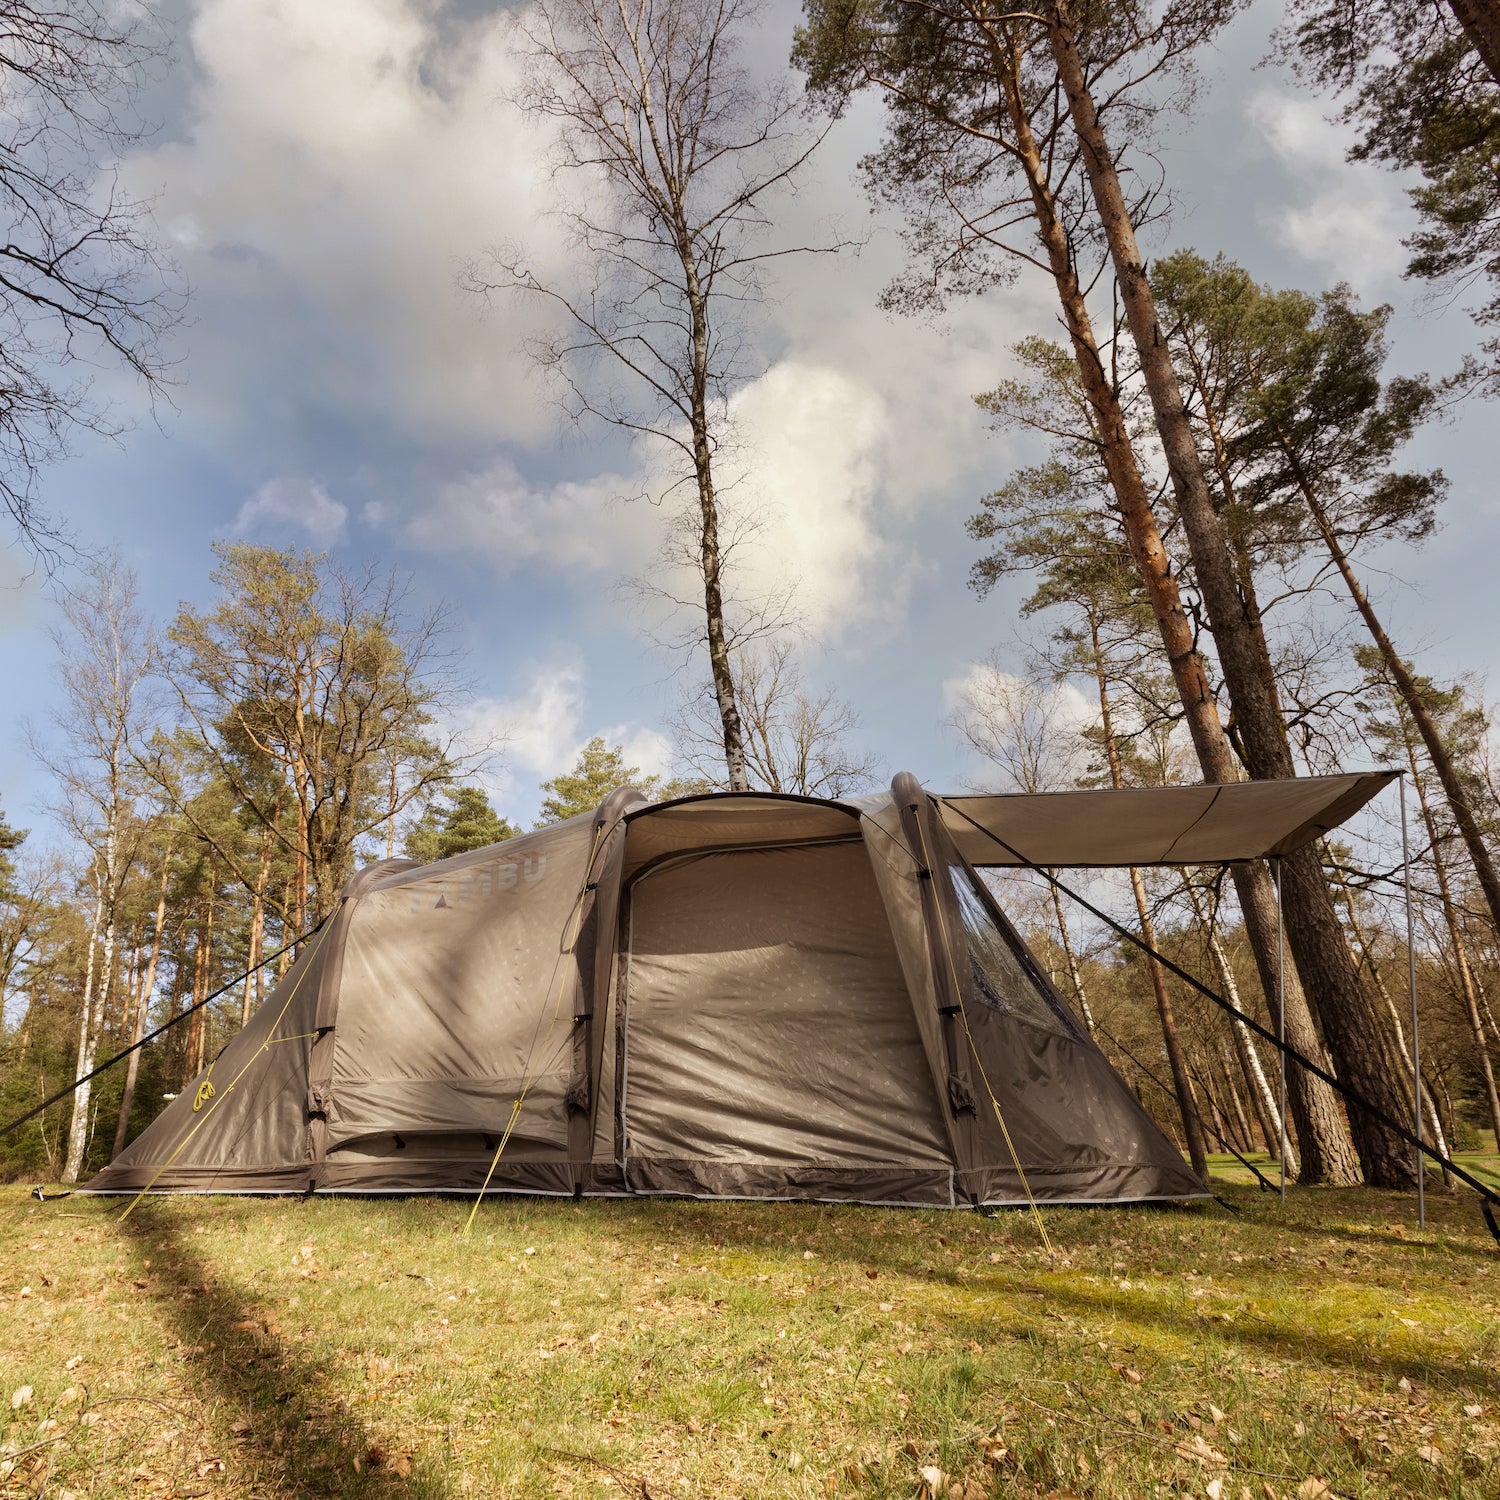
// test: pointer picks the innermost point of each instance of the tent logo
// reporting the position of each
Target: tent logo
(478, 884)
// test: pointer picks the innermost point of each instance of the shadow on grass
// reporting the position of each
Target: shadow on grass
(914, 1249)
(1278, 1340)
(281, 1404)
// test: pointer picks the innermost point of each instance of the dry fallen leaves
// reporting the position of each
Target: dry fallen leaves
(1205, 1453)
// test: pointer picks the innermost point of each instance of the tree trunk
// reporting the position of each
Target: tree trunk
(88, 1041)
(710, 557)
(142, 1008)
(1074, 974)
(1326, 1155)
(1411, 697)
(1317, 943)
(1467, 987)
(1480, 20)
(1267, 1110)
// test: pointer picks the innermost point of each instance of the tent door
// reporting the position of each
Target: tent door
(767, 1026)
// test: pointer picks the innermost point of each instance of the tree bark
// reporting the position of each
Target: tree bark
(710, 557)
(88, 1041)
(1411, 697)
(1267, 1110)
(1480, 20)
(1326, 1155)
(1074, 973)
(1321, 954)
(142, 1008)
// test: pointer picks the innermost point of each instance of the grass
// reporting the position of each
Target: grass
(281, 1348)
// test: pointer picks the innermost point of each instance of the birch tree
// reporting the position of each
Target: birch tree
(83, 284)
(107, 653)
(677, 156)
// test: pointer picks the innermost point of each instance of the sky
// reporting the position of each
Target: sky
(323, 173)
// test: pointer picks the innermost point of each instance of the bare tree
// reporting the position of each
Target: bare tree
(1022, 726)
(81, 282)
(107, 652)
(677, 154)
(797, 740)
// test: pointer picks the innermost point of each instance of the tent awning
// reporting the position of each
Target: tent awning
(1174, 825)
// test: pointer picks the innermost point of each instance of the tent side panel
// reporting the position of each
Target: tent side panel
(1065, 1118)
(769, 1031)
(458, 998)
(1078, 1132)
(250, 1135)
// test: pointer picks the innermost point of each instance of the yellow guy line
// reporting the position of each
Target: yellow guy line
(527, 1076)
(937, 902)
(220, 1098)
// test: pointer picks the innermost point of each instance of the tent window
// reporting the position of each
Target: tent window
(1000, 977)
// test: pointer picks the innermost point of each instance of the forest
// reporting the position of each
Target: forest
(1216, 481)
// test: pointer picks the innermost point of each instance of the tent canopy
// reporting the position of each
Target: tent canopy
(1174, 825)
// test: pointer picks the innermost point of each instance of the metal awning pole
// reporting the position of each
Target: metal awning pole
(1281, 1021)
(1411, 985)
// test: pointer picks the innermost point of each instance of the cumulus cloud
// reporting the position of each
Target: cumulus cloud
(1348, 216)
(291, 504)
(514, 523)
(540, 730)
(337, 164)
(648, 750)
(537, 727)
(1018, 734)
(810, 470)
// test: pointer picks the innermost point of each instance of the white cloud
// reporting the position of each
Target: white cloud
(539, 731)
(812, 466)
(1349, 216)
(339, 162)
(1017, 733)
(538, 728)
(293, 503)
(514, 523)
(648, 750)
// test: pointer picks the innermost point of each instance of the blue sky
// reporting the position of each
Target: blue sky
(321, 172)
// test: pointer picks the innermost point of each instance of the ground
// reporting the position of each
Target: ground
(364, 1347)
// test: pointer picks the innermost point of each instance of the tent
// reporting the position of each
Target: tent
(737, 995)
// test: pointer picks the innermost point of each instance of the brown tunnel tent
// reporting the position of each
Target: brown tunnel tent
(736, 995)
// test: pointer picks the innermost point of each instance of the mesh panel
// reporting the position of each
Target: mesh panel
(1000, 978)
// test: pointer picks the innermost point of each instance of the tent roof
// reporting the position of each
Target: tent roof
(1175, 825)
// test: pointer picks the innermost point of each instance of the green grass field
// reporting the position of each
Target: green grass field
(275, 1348)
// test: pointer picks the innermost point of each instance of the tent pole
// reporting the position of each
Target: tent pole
(1281, 1021)
(1411, 985)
